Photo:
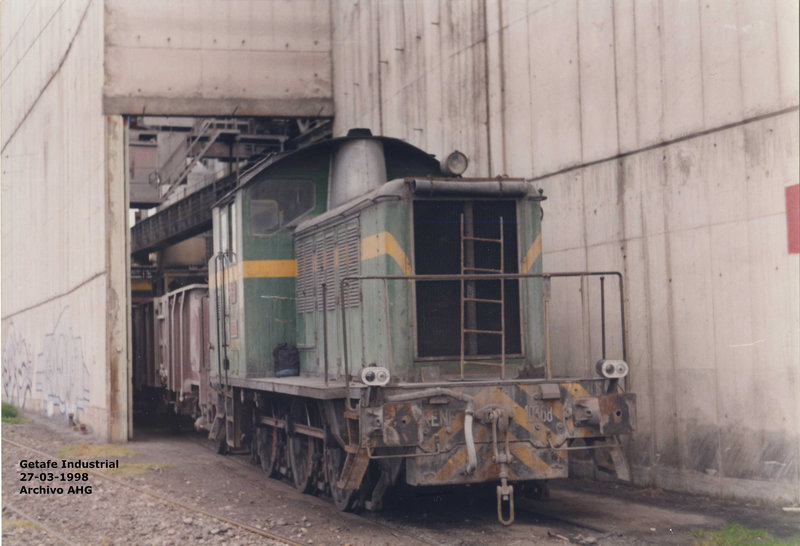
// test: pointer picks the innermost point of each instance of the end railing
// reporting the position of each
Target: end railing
(546, 277)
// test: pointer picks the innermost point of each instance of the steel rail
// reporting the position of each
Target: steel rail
(396, 531)
(402, 532)
(524, 507)
(168, 500)
(38, 523)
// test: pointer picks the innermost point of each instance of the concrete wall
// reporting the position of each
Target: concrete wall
(65, 193)
(63, 308)
(698, 228)
(216, 57)
(664, 134)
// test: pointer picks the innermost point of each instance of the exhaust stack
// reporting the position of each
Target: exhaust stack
(357, 167)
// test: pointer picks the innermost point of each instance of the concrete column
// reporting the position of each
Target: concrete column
(117, 282)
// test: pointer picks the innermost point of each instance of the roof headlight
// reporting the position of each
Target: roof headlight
(455, 164)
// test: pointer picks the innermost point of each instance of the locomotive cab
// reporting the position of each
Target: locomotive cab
(375, 319)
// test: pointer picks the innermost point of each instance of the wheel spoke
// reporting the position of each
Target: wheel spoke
(301, 449)
(267, 449)
(334, 464)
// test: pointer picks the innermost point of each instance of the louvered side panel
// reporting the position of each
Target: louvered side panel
(330, 269)
(328, 257)
(319, 268)
(349, 249)
(304, 249)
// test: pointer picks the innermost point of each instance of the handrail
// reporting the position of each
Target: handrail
(483, 277)
(198, 129)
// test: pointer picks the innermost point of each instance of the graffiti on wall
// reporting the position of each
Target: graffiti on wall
(17, 369)
(59, 376)
(61, 373)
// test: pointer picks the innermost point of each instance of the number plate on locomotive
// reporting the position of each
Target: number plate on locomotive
(540, 412)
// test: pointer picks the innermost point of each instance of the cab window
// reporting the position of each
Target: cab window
(277, 203)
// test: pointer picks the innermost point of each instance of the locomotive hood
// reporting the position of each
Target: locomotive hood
(387, 158)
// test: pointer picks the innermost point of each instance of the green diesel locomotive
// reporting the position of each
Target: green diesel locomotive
(375, 317)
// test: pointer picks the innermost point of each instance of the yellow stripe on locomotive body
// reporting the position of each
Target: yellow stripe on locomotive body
(543, 418)
(372, 246)
(269, 269)
(533, 253)
(255, 269)
(384, 244)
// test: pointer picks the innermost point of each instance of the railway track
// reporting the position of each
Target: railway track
(393, 529)
(521, 508)
(411, 525)
(47, 529)
(559, 526)
(162, 498)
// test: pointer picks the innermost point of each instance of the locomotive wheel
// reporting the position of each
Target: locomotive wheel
(301, 456)
(302, 449)
(343, 499)
(268, 449)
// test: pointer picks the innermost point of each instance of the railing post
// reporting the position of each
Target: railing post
(603, 315)
(622, 316)
(325, 329)
(546, 298)
(389, 344)
(344, 348)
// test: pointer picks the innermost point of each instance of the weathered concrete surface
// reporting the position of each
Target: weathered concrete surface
(203, 57)
(118, 289)
(664, 134)
(698, 228)
(61, 214)
(547, 85)
(65, 251)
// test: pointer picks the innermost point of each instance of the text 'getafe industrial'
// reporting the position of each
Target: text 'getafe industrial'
(64, 463)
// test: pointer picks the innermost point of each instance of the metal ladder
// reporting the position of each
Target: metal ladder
(469, 299)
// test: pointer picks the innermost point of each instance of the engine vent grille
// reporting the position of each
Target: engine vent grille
(328, 257)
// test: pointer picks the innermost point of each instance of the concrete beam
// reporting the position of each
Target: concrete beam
(254, 58)
(193, 106)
